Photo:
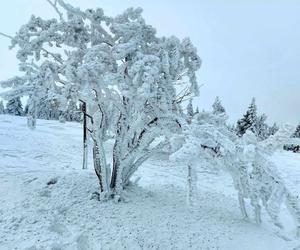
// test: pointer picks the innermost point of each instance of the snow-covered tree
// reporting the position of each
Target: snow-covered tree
(248, 121)
(108, 61)
(296, 134)
(2, 110)
(255, 123)
(47, 110)
(190, 111)
(208, 140)
(73, 112)
(261, 129)
(273, 129)
(231, 128)
(14, 107)
(217, 107)
(26, 109)
(295, 146)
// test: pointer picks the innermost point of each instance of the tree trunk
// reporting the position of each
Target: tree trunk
(31, 121)
(97, 164)
(116, 156)
(102, 170)
(116, 178)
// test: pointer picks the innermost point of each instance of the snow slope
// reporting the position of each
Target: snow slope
(63, 214)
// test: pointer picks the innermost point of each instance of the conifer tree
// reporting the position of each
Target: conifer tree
(273, 129)
(296, 134)
(73, 112)
(217, 107)
(14, 107)
(26, 109)
(190, 111)
(249, 120)
(2, 111)
(261, 129)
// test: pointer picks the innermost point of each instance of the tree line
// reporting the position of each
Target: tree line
(47, 110)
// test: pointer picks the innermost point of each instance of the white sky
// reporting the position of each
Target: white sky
(248, 48)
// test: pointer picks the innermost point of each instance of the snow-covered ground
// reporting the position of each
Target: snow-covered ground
(46, 200)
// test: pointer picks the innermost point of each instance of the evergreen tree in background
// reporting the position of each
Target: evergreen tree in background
(261, 129)
(217, 107)
(26, 109)
(190, 111)
(14, 107)
(43, 110)
(231, 128)
(273, 129)
(73, 112)
(48, 110)
(248, 121)
(2, 111)
(296, 134)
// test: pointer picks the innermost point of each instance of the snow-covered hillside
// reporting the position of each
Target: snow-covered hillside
(47, 201)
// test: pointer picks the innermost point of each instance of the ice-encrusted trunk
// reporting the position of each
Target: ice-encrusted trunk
(31, 121)
(32, 115)
(133, 146)
(101, 167)
(116, 180)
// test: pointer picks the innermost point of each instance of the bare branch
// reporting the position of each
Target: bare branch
(7, 36)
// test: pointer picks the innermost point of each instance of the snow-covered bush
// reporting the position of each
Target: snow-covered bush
(295, 147)
(209, 141)
(113, 64)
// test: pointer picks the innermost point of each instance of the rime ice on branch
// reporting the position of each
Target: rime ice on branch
(132, 81)
(209, 141)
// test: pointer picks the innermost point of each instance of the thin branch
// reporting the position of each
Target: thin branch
(56, 9)
(7, 36)
(179, 76)
(185, 99)
(179, 99)
(100, 108)
(53, 55)
(46, 51)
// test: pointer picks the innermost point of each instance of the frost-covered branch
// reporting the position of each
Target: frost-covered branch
(247, 161)
(54, 5)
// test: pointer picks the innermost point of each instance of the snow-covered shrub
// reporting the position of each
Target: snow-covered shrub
(295, 147)
(125, 73)
(209, 141)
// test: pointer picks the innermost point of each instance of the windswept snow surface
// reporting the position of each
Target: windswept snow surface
(46, 200)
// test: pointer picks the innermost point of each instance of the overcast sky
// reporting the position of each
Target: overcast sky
(248, 48)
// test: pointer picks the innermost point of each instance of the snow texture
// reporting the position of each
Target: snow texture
(47, 200)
